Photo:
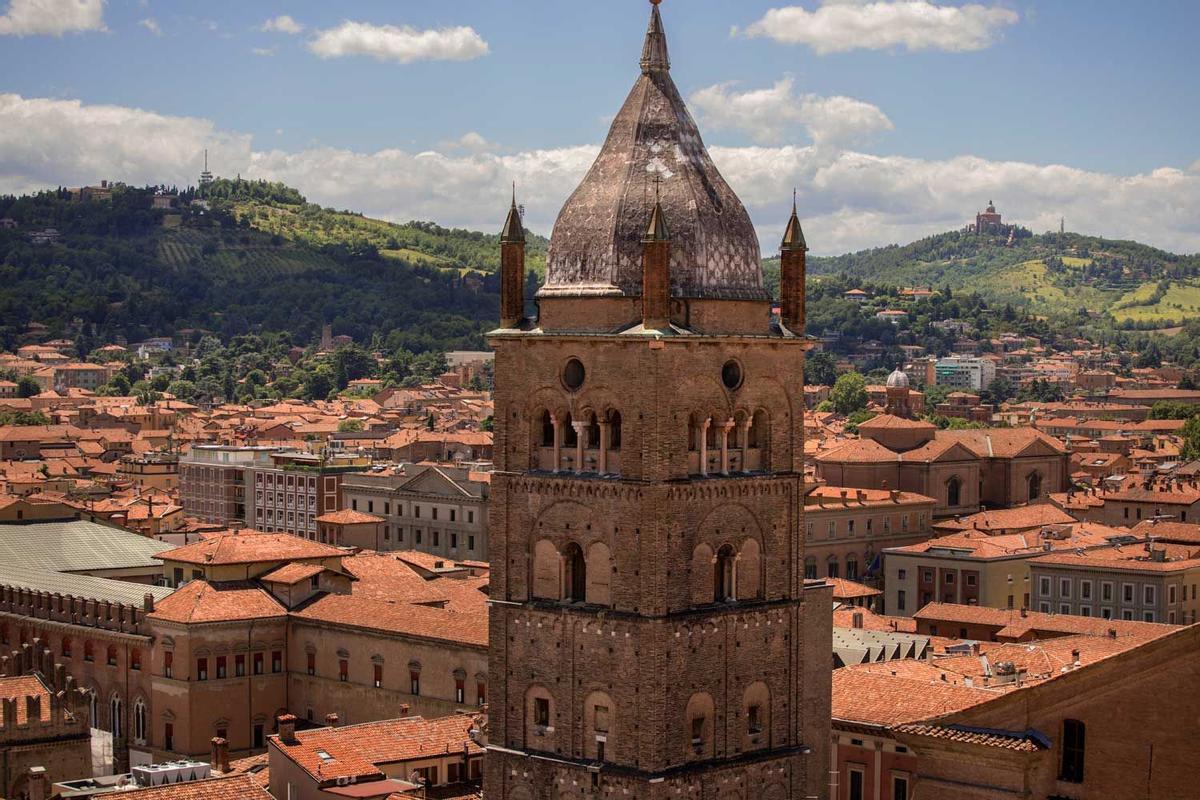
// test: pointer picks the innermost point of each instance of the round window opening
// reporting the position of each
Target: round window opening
(573, 374)
(731, 375)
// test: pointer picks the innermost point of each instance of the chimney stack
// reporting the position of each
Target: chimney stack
(148, 602)
(331, 720)
(287, 729)
(512, 268)
(793, 266)
(857, 620)
(656, 269)
(37, 786)
(220, 754)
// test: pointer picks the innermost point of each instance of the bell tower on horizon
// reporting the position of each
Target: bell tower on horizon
(652, 635)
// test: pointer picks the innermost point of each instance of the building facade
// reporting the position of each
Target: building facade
(212, 481)
(846, 530)
(439, 510)
(294, 489)
(651, 631)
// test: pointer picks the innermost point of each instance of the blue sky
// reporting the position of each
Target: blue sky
(1063, 107)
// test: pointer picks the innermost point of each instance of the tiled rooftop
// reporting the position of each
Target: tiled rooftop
(249, 548)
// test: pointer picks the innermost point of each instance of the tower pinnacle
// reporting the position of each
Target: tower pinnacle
(655, 57)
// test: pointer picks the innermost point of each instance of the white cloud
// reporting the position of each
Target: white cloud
(470, 142)
(849, 199)
(283, 24)
(770, 115)
(51, 17)
(403, 44)
(47, 143)
(151, 24)
(841, 25)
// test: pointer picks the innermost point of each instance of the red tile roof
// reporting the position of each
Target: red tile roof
(291, 574)
(872, 697)
(355, 750)
(1008, 740)
(200, 601)
(348, 516)
(1013, 623)
(238, 787)
(249, 548)
(18, 688)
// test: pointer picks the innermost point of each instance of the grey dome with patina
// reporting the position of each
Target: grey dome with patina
(596, 248)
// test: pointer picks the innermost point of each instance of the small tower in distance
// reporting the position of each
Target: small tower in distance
(206, 177)
(793, 267)
(512, 268)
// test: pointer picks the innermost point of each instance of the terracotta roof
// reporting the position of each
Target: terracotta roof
(249, 548)
(355, 750)
(892, 422)
(982, 545)
(859, 451)
(348, 516)
(290, 574)
(873, 697)
(1180, 532)
(849, 590)
(1028, 742)
(1128, 558)
(257, 768)
(405, 619)
(1013, 623)
(869, 497)
(1009, 519)
(200, 601)
(237, 787)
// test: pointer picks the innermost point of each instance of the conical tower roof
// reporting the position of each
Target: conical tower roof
(596, 247)
(793, 237)
(513, 230)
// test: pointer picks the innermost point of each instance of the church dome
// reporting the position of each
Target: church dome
(654, 147)
(897, 380)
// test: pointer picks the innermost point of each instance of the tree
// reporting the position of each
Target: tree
(820, 369)
(849, 394)
(351, 426)
(1191, 439)
(183, 390)
(998, 391)
(1173, 410)
(28, 387)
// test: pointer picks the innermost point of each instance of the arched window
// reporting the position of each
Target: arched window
(539, 718)
(570, 436)
(139, 720)
(710, 437)
(547, 429)
(114, 717)
(593, 432)
(111, 655)
(89, 651)
(758, 430)
(953, 491)
(723, 575)
(614, 429)
(1035, 486)
(810, 568)
(66, 646)
(832, 567)
(575, 583)
(852, 567)
(698, 717)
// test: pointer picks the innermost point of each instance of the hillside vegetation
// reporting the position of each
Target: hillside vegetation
(1049, 274)
(258, 259)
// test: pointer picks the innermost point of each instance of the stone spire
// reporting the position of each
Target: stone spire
(656, 231)
(513, 230)
(793, 237)
(512, 268)
(655, 57)
(793, 268)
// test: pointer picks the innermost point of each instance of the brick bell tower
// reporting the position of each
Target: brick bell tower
(652, 633)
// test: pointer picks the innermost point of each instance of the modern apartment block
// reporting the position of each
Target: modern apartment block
(212, 481)
(961, 372)
(294, 488)
(442, 511)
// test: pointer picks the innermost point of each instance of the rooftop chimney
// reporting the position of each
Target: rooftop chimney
(857, 620)
(287, 729)
(37, 787)
(331, 720)
(220, 754)
(148, 602)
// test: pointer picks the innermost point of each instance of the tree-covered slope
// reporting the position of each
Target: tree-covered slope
(258, 258)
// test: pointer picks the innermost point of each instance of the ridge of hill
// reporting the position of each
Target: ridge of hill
(1051, 274)
(248, 257)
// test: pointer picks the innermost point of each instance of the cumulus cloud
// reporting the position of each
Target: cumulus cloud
(850, 199)
(403, 44)
(770, 115)
(46, 143)
(841, 25)
(283, 24)
(51, 17)
(151, 24)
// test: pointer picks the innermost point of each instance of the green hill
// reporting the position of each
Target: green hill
(259, 258)
(1048, 274)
